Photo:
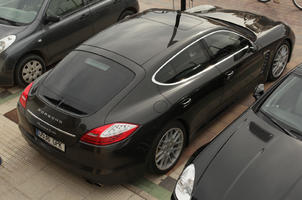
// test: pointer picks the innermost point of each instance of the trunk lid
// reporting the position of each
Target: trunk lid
(75, 98)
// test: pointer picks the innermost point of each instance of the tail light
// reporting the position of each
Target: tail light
(109, 134)
(24, 95)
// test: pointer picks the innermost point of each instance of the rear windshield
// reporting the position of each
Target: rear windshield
(84, 82)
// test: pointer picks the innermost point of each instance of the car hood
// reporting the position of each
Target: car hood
(257, 162)
(255, 23)
(6, 30)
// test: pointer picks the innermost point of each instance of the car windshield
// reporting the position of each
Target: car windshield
(284, 105)
(18, 12)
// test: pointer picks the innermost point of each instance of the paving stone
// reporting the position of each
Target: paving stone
(168, 183)
(4, 94)
(136, 197)
(156, 179)
(178, 170)
(13, 194)
(70, 180)
(61, 192)
(15, 89)
(110, 193)
(38, 185)
(8, 105)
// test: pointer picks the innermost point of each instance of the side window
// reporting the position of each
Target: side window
(63, 7)
(93, 1)
(223, 44)
(188, 63)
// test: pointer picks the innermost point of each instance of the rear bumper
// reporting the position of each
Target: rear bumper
(100, 165)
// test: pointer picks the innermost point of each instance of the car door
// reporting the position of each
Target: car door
(71, 30)
(193, 84)
(104, 13)
(237, 60)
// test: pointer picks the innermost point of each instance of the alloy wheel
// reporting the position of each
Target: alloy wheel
(169, 148)
(280, 61)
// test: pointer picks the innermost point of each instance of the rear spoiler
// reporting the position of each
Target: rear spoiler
(202, 9)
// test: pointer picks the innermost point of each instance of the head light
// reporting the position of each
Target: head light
(6, 42)
(185, 184)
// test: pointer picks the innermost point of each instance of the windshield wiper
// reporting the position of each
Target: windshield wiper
(10, 21)
(278, 125)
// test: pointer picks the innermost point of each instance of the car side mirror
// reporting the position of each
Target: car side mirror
(252, 47)
(259, 91)
(51, 18)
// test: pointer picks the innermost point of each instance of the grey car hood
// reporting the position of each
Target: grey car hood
(6, 30)
(258, 162)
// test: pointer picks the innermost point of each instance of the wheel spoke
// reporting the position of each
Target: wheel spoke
(169, 148)
(280, 61)
(31, 70)
(159, 158)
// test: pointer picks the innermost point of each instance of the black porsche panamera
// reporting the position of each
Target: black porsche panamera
(133, 96)
(257, 156)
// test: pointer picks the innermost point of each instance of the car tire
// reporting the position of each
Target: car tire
(29, 68)
(125, 14)
(167, 148)
(279, 62)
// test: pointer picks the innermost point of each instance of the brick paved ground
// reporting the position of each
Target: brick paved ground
(25, 174)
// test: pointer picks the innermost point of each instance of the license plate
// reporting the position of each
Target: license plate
(51, 141)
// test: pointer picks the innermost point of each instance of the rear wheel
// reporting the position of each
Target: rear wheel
(126, 14)
(29, 69)
(280, 61)
(167, 148)
(298, 3)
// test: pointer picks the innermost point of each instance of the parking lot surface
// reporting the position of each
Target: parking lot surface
(25, 174)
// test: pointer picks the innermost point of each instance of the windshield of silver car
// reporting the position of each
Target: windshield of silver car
(18, 12)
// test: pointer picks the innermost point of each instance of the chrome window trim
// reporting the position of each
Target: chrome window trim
(64, 132)
(208, 68)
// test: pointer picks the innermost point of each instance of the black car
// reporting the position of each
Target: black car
(35, 34)
(135, 94)
(257, 156)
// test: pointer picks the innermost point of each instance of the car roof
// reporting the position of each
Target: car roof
(147, 34)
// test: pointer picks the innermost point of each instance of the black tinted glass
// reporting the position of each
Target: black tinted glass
(85, 82)
(223, 44)
(63, 7)
(188, 63)
(19, 12)
(285, 104)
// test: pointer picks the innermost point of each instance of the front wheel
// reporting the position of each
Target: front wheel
(29, 69)
(279, 62)
(167, 148)
(298, 3)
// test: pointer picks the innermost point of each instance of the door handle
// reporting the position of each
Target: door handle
(186, 102)
(229, 75)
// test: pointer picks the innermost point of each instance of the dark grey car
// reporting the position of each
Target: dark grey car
(38, 33)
